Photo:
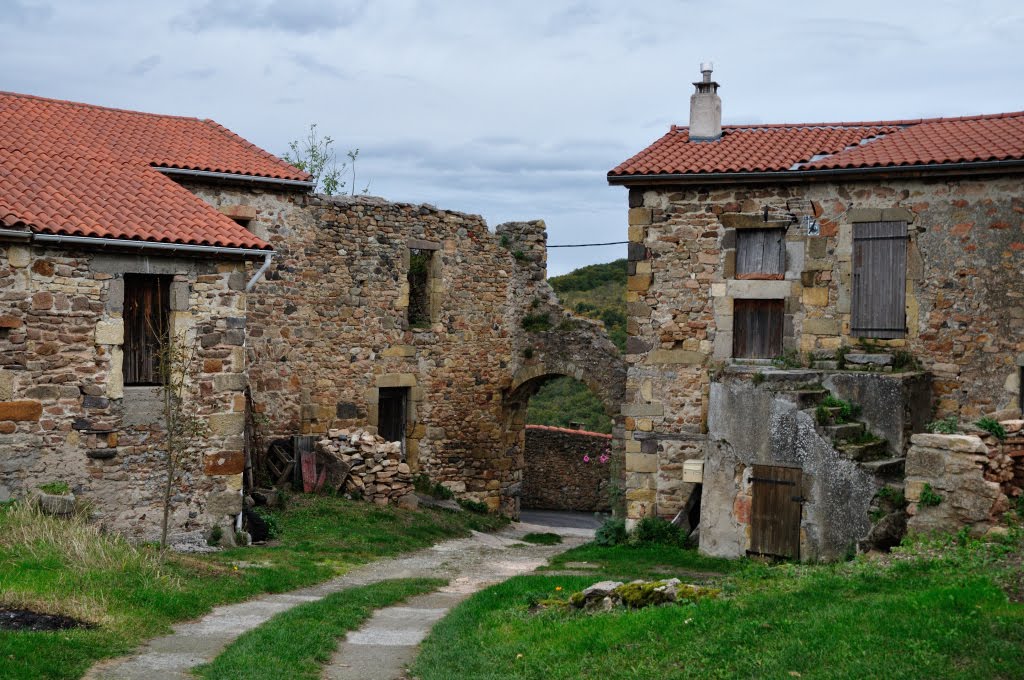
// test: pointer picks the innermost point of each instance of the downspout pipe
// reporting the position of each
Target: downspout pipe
(267, 259)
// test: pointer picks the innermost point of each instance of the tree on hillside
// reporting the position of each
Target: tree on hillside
(315, 155)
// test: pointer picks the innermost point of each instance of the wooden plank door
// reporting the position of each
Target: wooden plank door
(776, 511)
(757, 328)
(879, 301)
(760, 254)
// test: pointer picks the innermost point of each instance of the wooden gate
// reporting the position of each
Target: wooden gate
(757, 328)
(776, 511)
(879, 280)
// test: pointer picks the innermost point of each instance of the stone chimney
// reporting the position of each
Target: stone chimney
(705, 108)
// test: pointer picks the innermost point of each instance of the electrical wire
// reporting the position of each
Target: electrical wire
(588, 245)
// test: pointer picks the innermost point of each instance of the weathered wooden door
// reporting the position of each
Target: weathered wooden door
(776, 511)
(879, 299)
(757, 328)
(760, 254)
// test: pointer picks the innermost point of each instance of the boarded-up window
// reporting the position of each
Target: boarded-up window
(775, 511)
(419, 287)
(757, 328)
(878, 304)
(146, 312)
(760, 253)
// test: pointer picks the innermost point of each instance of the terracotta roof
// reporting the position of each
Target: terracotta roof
(567, 430)
(82, 170)
(817, 146)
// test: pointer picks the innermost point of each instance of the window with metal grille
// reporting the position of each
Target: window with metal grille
(878, 303)
(146, 316)
(761, 254)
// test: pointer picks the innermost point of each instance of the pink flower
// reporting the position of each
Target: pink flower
(586, 459)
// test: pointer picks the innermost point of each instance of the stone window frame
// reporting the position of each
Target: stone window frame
(844, 259)
(731, 288)
(417, 395)
(435, 285)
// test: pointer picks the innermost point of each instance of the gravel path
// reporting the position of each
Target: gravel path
(388, 641)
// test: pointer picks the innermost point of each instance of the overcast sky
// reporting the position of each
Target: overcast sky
(513, 110)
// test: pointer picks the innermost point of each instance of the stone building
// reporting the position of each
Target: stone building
(567, 469)
(120, 227)
(102, 252)
(893, 245)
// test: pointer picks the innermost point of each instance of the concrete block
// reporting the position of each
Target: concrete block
(110, 332)
(230, 382)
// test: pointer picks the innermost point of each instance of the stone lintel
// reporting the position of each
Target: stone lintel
(635, 410)
(399, 351)
(421, 244)
(675, 356)
(759, 290)
(750, 221)
(396, 380)
(671, 436)
(239, 212)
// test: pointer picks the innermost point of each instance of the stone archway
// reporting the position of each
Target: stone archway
(577, 348)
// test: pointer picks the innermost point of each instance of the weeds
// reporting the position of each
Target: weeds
(790, 358)
(55, 488)
(841, 356)
(536, 323)
(993, 427)
(929, 498)
(423, 484)
(944, 426)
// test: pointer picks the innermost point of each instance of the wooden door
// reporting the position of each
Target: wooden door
(776, 511)
(757, 328)
(879, 301)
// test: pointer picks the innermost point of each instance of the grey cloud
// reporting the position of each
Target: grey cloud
(299, 17)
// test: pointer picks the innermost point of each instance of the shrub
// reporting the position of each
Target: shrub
(945, 426)
(546, 538)
(656, 530)
(216, 534)
(423, 484)
(270, 519)
(473, 506)
(612, 532)
(841, 356)
(536, 323)
(929, 498)
(904, 360)
(55, 488)
(993, 427)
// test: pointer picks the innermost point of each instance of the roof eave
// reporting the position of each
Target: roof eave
(795, 176)
(304, 185)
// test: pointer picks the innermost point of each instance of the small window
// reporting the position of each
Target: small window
(420, 264)
(757, 329)
(761, 254)
(146, 321)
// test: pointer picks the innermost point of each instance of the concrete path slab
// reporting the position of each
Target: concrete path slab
(388, 642)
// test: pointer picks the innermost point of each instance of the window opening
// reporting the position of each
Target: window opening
(419, 287)
(393, 413)
(146, 322)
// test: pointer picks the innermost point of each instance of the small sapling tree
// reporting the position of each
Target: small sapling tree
(315, 155)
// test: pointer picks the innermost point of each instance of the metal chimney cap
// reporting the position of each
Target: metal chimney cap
(706, 67)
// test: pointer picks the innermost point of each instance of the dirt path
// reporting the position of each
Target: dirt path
(387, 642)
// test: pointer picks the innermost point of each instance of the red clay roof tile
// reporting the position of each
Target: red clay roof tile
(77, 169)
(784, 147)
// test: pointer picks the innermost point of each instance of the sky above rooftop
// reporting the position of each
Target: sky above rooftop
(513, 110)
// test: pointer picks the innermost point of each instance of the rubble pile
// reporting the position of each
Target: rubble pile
(1006, 458)
(365, 465)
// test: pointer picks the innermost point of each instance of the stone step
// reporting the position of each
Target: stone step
(869, 359)
(844, 431)
(886, 467)
(865, 452)
(826, 365)
(808, 398)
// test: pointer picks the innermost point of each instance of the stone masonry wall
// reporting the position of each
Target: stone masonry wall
(965, 299)
(65, 414)
(328, 329)
(556, 477)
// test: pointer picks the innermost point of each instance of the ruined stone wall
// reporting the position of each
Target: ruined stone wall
(965, 299)
(65, 414)
(329, 329)
(556, 477)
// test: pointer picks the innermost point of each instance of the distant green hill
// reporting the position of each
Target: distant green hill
(597, 291)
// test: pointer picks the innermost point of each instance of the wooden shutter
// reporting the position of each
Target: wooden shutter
(879, 280)
(757, 328)
(760, 254)
(776, 511)
(146, 310)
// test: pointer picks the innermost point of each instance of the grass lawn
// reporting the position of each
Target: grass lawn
(68, 567)
(296, 643)
(936, 611)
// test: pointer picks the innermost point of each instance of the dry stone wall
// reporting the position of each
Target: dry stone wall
(965, 299)
(557, 477)
(65, 413)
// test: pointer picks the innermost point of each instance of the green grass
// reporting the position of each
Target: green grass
(942, 615)
(542, 539)
(69, 567)
(55, 488)
(295, 644)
